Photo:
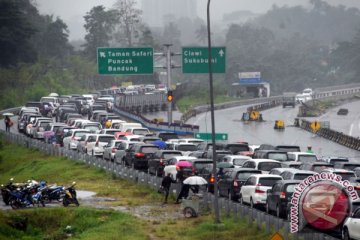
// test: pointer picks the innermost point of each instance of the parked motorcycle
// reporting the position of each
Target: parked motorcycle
(70, 196)
(6, 189)
(52, 193)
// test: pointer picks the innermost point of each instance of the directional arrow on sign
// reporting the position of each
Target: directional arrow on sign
(221, 53)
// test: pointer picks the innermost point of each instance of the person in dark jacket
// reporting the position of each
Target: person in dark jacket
(7, 123)
(166, 184)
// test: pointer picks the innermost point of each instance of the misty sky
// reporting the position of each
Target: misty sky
(72, 11)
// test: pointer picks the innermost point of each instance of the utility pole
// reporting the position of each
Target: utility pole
(168, 73)
(216, 197)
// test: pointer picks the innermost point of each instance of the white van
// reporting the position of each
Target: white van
(115, 123)
(126, 125)
(53, 100)
(138, 131)
(302, 157)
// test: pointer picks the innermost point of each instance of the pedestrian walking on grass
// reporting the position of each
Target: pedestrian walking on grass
(166, 184)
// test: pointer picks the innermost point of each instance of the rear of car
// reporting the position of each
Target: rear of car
(254, 191)
(157, 163)
(266, 166)
(142, 156)
(279, 196)
(102, 140)
(240, 178)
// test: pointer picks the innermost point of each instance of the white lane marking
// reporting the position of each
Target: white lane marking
(351, 129)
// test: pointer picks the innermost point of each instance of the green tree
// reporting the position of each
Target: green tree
(128, 28)
(99, 25)
(16, 32)
(54, 39)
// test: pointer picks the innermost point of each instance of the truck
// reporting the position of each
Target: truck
(289, 99)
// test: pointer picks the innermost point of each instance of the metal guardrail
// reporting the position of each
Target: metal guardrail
(259, 104)
(332, 135)
(182, 129)
(229, 208)
(10, 110)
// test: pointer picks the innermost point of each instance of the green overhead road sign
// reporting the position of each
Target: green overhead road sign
(195, 59)
(125, 60)
(207, 136)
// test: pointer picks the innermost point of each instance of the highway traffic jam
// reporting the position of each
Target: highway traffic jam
(261, 176)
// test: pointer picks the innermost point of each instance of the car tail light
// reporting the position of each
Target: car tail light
(113, 150)
(212, 179)
(258, 190)
(139, 154)
(162, 163)
(282, 195)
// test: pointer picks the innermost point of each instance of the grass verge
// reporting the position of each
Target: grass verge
(89, 223)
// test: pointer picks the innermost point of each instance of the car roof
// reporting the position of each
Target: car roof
(265, 175)
(302, 153)
(184, 157)
(294, 170)
(336, 170)
(259, 160)
(238, 156)
(242, 170)
(289, 181)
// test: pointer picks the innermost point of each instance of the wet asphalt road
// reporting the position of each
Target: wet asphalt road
(228, 121)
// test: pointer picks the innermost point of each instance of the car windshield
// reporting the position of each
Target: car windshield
(186, 148)
(346, 175)
(268, 182)
(140, 131)
(278, 156)
(301, 176)
(288, 149)
(237, 148)
(307, 158)
(239, 161)
(351, 166)
(149, 149)
(290, 188)
(319, 168)
(92, 128)
(267, 166)
(333, 161)
(201, 167)
(80, 134)
(106, 139)
(170, 155)
(243, 176)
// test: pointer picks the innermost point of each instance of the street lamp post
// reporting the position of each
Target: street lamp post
(216, 205)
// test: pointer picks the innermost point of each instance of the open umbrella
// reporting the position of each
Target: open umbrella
(160, 144)
(195, 180)
(224, 165)
(184, 164)
(8, 114)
